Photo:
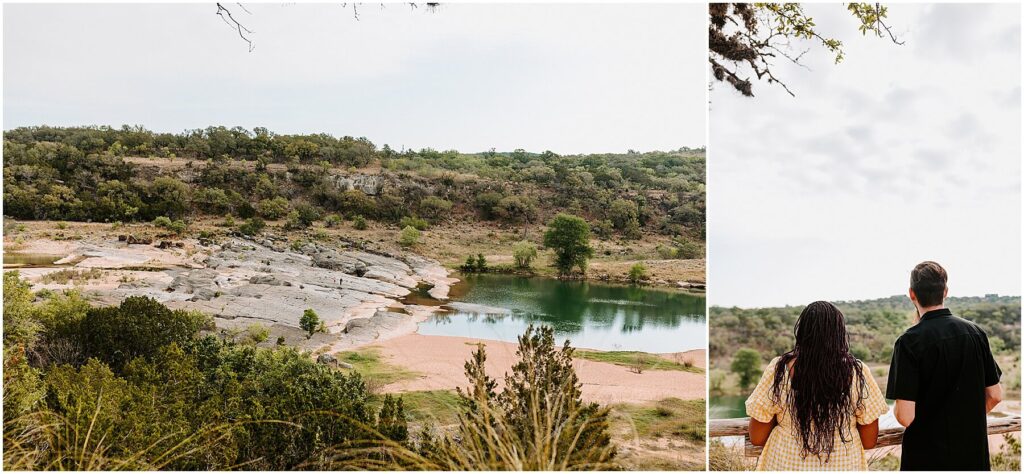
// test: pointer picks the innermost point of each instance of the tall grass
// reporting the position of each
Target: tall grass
(537, 423)
(487, 440)
(46, 441)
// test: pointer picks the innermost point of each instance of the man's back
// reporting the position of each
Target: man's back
(943, 364)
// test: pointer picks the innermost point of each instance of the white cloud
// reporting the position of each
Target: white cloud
(570, 78)
(896, 155)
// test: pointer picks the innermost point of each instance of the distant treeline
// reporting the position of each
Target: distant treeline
(873, 326)
(80, 173)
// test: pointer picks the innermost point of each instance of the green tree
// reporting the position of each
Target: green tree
(486, 202)
(524, 253)
(537, 422)
(470, 265)
(167, 196)
(544, 378)
(747, 365)
(624, 215)
(309, 322)
(569, 237)
(516, 210)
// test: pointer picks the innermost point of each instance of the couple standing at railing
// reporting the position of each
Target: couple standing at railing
(817, 407)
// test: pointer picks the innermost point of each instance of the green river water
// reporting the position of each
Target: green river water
(590, 315)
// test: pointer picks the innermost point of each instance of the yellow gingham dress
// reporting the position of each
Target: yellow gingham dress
(782, 451)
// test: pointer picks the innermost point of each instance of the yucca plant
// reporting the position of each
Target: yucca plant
(538, 422)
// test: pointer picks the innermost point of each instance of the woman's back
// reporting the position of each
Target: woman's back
(784, 450)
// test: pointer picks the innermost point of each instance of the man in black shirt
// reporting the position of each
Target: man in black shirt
(944, 380)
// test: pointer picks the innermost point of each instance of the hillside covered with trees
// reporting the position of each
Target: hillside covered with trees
(873, 326)
(104, 174)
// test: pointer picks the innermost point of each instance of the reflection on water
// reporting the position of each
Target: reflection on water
(595, 316)
(27, 260)
(730, 406)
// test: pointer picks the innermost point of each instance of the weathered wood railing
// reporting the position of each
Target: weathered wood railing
(886, 437)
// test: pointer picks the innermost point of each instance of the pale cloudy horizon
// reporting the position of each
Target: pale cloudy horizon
(899, 154)
(567, 78)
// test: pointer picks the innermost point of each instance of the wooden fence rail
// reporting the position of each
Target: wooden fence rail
(886, 437)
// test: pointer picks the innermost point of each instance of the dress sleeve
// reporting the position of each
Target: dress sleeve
(873, 405)
(903, 373)
(759, 404)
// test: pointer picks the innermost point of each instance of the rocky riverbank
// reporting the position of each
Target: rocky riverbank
(239, 282)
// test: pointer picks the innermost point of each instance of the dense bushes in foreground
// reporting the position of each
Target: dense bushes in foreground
(150, 391)
(138, 386)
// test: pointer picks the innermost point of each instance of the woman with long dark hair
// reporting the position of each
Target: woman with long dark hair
(816, 406)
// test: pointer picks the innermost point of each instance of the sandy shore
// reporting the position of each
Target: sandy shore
(439, 361)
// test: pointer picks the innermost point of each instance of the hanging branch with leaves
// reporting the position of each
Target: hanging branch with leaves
(748, 38)
(245, 33)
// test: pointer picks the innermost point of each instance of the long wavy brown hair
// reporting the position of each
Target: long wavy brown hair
(821, 399)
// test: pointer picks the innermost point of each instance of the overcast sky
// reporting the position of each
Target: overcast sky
(897, 155)
(570, 78)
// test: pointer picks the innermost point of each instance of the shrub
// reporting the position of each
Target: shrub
(515, 209)
(307, 214)
(257, 333)
(275, 208)
(688, 249)
(68, 275)
(538, 422)
(487, 202)
(138, 327)
(637, 273)
(603, 229)
(252, 226)
(434, 207)
(665, 252)
(414, 222)
(539, 415)
(162, 222)
(359, 223)
(524, 253)
(409, 236)
(332, 221)
(177, 227)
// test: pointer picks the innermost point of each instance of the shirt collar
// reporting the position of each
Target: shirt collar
(935, 313)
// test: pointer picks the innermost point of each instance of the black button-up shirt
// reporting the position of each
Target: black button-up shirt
(943, 364)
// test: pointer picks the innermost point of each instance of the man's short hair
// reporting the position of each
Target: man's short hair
(928, 280)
